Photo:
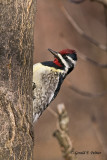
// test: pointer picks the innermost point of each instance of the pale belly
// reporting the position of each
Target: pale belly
(46, 88)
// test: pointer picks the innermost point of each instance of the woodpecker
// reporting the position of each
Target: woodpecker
(48, 77)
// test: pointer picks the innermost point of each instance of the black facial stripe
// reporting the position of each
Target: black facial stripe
(51, 64)
(60, 61)
(73, 56)
(70, 69)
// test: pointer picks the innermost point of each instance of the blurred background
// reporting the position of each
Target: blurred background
(62, 24)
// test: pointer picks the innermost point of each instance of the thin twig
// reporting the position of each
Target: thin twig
(80, 31)
(104, 2)
(84, 93)
(77, 1)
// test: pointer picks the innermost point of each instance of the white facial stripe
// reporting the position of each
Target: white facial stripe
(74, 62)
(64, 62)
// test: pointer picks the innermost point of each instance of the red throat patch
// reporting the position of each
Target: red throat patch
(57, 62)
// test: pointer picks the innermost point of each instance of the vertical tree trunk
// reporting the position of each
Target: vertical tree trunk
(16, 61)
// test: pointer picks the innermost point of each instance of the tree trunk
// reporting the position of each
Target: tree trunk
(16, 62)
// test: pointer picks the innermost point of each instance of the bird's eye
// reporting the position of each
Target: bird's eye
(65, 57)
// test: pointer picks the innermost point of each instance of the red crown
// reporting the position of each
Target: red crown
(67, 51)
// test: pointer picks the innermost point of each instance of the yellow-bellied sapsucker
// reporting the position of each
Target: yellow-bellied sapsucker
(48, 77)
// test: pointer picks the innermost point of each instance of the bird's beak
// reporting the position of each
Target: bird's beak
(54, 53)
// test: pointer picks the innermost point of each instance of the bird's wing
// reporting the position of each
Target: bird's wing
(46, 82)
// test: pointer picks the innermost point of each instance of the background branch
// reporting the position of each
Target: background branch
(77, 1)
(86, 94)
(84, 57)
(104, 2)
(80, 31)
(61, 133)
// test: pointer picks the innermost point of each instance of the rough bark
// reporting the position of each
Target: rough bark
(16, 61)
